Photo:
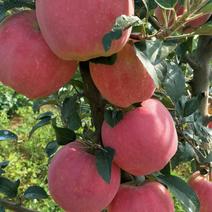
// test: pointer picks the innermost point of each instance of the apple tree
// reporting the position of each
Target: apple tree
(130, 81)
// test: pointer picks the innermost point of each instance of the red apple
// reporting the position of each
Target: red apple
(26, 62)
(74, 182)
(74, 29)
(202, 185)
(150, 197)
(124, 83)
(144, 140)
(210, 125)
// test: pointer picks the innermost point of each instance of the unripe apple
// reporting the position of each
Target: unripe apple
(74, 29)
(74, 182)
(125, 82)
(202, 185)
(144, 140)
(150, 197)
(26, 62)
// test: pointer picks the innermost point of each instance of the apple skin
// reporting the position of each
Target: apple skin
(74, 182)
(125, 82)
(74, 29)
(151, 196)
(144, 140)
(203, 188)
(26, 62)
(210, 125)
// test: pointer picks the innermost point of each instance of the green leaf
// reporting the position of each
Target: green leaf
(105, 60)
(51, 148)
(192, 105)
(184, 153)
(166, 4)
(205, 29)
(148, 66)
(63, 135)
(158, 50)
(8, 187)
(4, 164)
(182, 191)
(2, 209)
(70, 113)
(113, 117)
(207, 8)
(6, 135)
(35, 192)
(122, 23)
(43, 122)
(174, 82)
(104, 158)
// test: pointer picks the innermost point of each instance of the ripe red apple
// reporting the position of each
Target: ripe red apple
(124, 83)
(202, 185)
(26, 62)
(144, 140)
(210, 125)
(74, 182)
(180, 10)
(74, 29)
(150, 197)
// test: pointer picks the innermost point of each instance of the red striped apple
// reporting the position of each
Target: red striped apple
(202, 185)
(124, 83)
(149, 197)
(26, 62)
(144, 140)
(74, 182)
(74, 29)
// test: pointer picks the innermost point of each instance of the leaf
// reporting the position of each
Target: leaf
(166, 4)
(105, 60)
(158, 50)
(6, 135)
(35, 192)
(122, 23)
(205, 29)
(2, 209)
(63, 135)
(148, 66)
(182, 191)
(70, 113)
(207, 8)
(113, 117)
(45, 115)
(8, 187)
(4, 164)
(174, 82)
(104, 158)
(51, 148)
(43, 122)
(192, 105)
(184, 153)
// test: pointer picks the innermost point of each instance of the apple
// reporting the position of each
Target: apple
(144, 140)
(180, 10)
(124, 83)
(26, 62)
(74, 29)
(74, 182)
(149, 197)
(210, 125)
(202, 185)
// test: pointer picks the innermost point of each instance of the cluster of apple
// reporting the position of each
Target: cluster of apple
(39, 53)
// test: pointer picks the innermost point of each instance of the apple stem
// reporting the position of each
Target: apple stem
(97, 103)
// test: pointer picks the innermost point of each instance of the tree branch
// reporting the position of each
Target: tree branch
(97, 103)
(14, 206)
(200, 63)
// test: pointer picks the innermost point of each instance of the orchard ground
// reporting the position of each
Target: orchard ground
(30, 166)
